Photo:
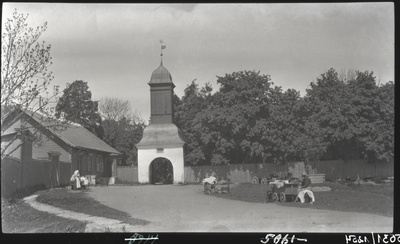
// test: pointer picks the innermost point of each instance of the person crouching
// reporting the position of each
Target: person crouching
(84, 182)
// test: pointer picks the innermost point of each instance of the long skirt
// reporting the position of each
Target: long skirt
(76, 184)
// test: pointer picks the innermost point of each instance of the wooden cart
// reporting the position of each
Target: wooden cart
(287, 192)
(219, 187)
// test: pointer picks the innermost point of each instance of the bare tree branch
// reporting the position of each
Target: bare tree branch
(25, 79)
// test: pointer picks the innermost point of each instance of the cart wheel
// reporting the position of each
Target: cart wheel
(282, 197)
(255, 180)
(264, 181)
(275, 197)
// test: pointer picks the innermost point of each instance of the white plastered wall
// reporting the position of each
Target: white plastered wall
(174, 155)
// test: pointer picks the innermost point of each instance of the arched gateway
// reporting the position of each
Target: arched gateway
(161, 171)
(160, 138)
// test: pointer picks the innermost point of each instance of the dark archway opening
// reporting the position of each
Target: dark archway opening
(161, 171)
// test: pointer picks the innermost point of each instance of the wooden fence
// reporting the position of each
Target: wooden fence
(335, 169)
(127, 174)
(340, 169)
(240, 173)
(17, 175)
(10, 176)
(243, 173)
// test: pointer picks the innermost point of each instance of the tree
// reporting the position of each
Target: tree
(123, 129)
(123, 135)
(249, 120)
(375, 116)
(243, 99)
(328, 100)
(25, 78)
(355, 116)
(76, 105)
(383, 149)
(217, 126)
(192, 103)
(287, 134)
(115, 109)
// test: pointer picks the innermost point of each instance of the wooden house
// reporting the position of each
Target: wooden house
(72, 143)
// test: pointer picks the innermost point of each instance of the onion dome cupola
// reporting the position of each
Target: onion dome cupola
(161, 76)
(161, 95)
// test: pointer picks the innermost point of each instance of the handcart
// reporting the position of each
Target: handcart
(219, 187)
(287, 192)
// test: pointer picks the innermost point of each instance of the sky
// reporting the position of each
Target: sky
(116, 47)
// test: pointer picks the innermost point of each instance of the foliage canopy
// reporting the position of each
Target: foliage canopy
(250, 120)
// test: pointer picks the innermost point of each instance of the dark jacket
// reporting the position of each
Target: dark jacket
(306, 182)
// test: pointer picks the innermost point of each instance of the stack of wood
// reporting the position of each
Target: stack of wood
(317, 178)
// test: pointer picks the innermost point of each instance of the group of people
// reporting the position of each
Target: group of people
(304, 191)
(78, 182)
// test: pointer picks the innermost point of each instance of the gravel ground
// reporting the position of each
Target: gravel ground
(174, 208)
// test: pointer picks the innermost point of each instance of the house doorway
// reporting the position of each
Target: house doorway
(81, 162)
(161, 171)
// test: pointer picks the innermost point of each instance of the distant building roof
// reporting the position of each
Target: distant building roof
(75, 135)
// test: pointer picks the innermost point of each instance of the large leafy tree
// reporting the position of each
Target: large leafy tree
(76, 105)
(383, 149)
(25, 77)
(328, 100)
(219, 125)
(249, 120)
(355, 116)
(287, 134)
(193, 102)
(123, 135)
(242, 100)
(374, 108)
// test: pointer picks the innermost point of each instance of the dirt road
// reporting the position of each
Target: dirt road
(173, 208)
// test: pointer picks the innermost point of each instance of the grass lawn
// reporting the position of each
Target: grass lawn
(373, 199)
(79, 201)
(19, 217)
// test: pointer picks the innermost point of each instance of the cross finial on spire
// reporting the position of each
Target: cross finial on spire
(162, 47)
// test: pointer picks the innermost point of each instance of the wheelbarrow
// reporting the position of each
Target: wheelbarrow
(287, 192)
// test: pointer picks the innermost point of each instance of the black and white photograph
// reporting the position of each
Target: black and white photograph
(143, 119)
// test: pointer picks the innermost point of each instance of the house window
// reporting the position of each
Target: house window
(99, 164)
(90, 163)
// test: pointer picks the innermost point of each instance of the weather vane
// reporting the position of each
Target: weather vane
(162, 47)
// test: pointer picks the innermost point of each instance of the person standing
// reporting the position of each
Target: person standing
(75, 180)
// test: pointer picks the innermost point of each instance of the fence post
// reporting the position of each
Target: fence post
(26, 160)
(54, 158)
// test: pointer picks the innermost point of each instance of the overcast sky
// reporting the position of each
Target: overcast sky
(116, 47)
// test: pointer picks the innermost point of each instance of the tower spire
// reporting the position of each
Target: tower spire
(162, 47)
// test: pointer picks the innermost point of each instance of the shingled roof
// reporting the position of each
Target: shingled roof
(75, 135)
